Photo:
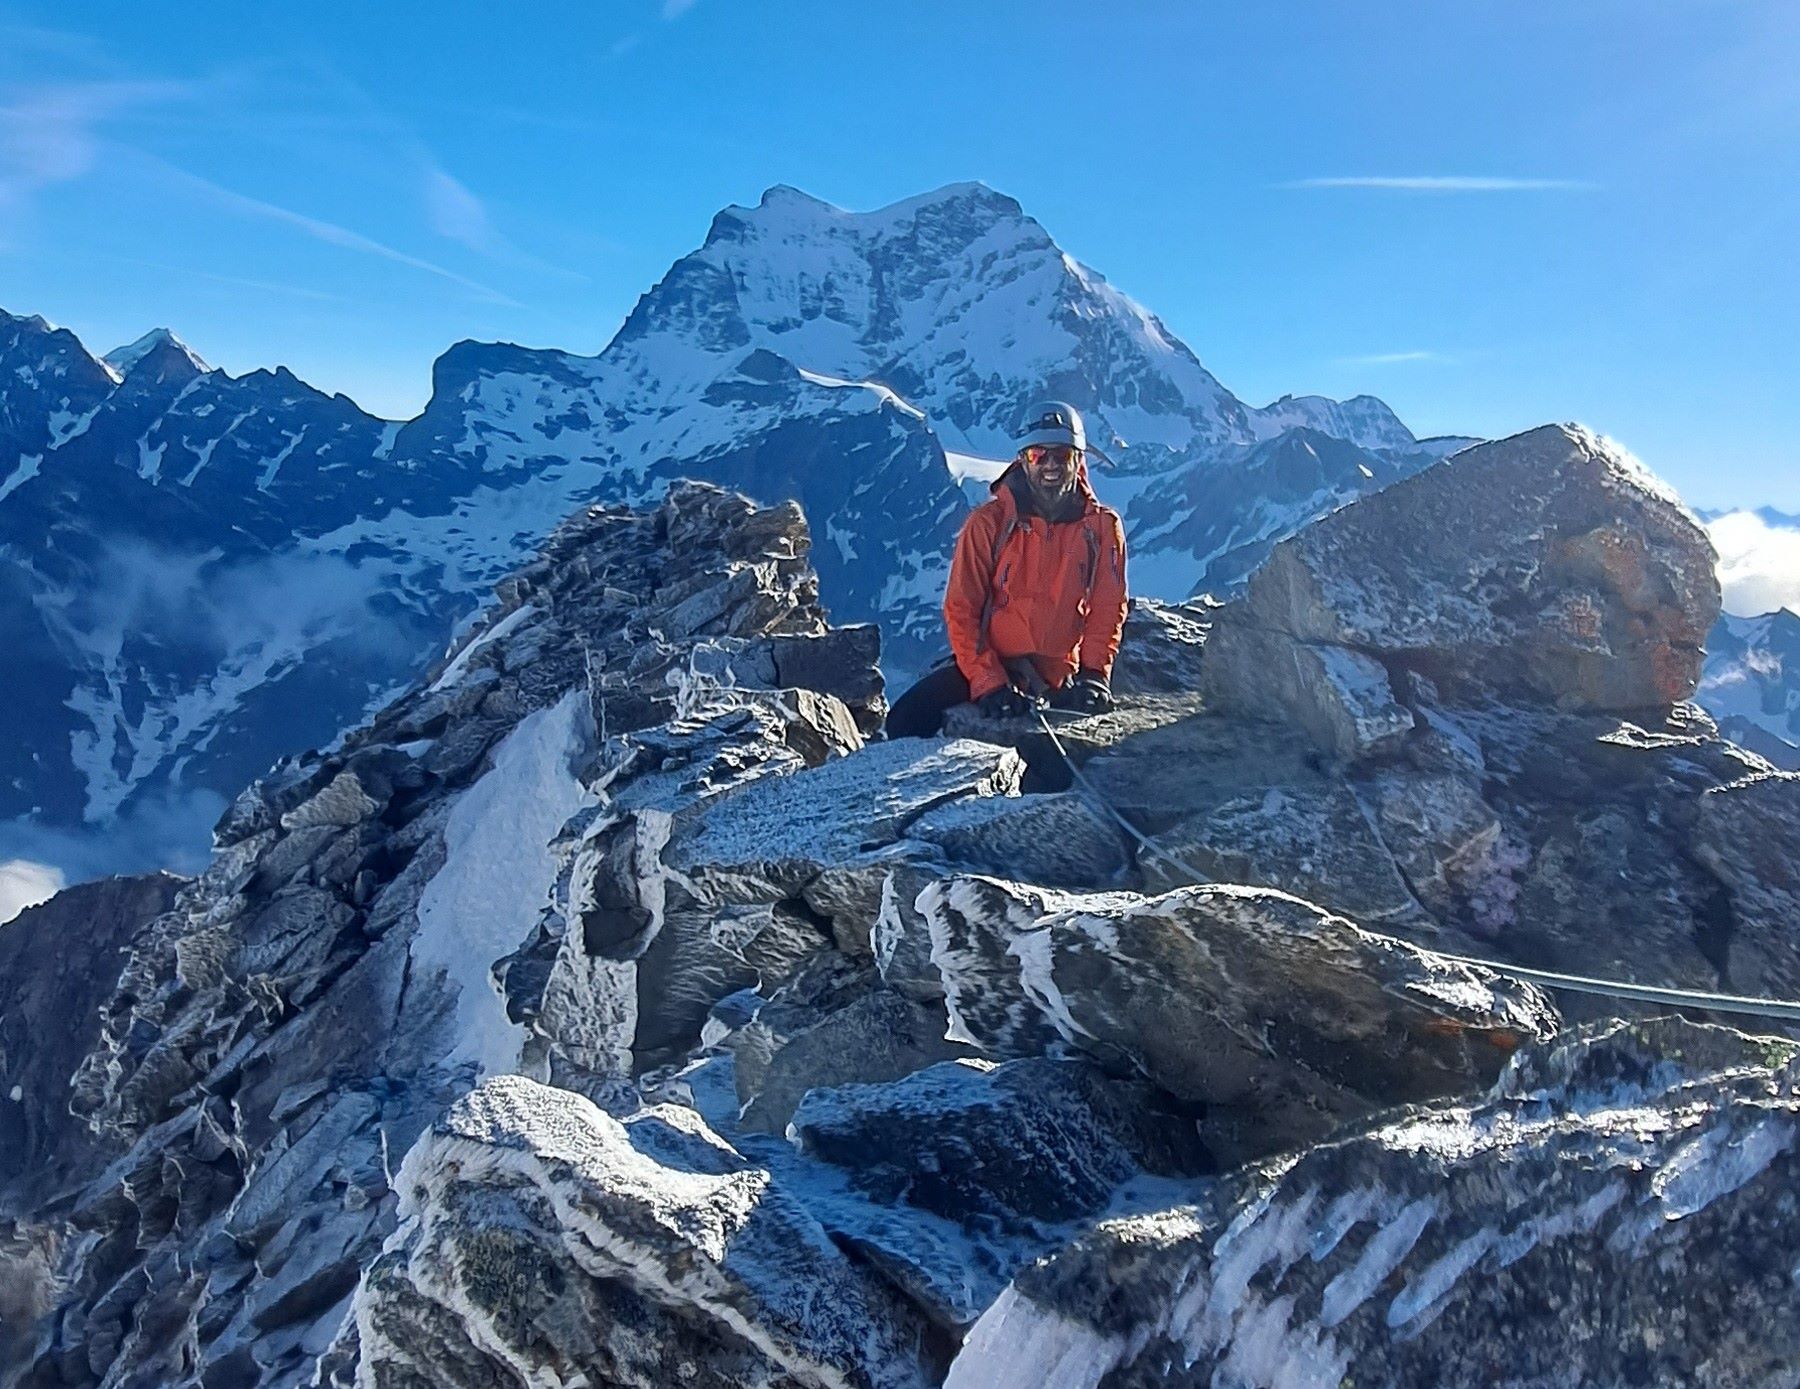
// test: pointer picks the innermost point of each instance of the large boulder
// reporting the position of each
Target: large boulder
(1547, 568)
(1456, 711)
(1281, 1018)
(1616, 1211)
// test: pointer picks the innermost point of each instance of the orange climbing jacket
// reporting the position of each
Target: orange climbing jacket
(1021, 585)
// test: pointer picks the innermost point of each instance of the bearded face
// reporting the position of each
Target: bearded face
(1050, 469)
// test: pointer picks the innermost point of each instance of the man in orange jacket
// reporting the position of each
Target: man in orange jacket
(1036, 599)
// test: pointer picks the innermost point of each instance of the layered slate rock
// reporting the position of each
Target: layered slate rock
(1033, 1143)
(1283, 1019)
(719, 868)
(784, 1054)
(1615, 1211)
(1748, 833)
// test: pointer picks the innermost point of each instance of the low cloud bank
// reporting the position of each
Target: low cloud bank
(1759, 563)
(24, 884)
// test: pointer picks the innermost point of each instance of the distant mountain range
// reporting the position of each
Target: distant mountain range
(1752, 683)
(208, 571)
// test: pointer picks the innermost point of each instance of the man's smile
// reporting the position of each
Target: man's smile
(1050, 468)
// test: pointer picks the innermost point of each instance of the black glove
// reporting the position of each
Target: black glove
(1087, 693)
(1022, 675)
(1003, 703)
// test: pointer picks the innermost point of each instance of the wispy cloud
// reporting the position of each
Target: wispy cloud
(674, 9)
(1438, 183)
(456, 213)
(238, 281)
(1389, 359)
(452, 209)
(44, 42)
(320, 230)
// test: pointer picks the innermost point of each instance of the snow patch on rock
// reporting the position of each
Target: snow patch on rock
(499, 869)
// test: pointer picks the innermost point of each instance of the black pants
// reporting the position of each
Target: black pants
(919, 713)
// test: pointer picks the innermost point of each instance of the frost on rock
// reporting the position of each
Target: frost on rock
(723, 869)
(1613, 1211)
(532, 1224)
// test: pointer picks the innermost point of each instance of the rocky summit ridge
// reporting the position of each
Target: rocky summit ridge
(615, 1007)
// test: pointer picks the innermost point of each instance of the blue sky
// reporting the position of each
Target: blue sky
(1489, 214)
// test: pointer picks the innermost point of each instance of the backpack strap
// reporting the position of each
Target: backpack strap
(1001, 536)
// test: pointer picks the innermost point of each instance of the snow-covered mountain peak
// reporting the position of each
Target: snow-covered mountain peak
(159, 346)
(783, 206)
(1362, 419)
(23, 336)
(955, 299)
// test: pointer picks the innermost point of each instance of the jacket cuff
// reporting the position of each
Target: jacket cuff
(985, 686)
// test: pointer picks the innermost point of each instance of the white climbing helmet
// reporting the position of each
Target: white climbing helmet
(1053, 422)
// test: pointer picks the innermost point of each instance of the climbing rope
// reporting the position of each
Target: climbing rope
(1572, 983)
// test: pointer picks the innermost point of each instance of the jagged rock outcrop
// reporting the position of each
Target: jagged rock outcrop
(59, 961)
(274, 1043)
(545, 1237)
(1615, 1211)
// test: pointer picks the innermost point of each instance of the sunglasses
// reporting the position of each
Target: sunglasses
(1038, 453)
